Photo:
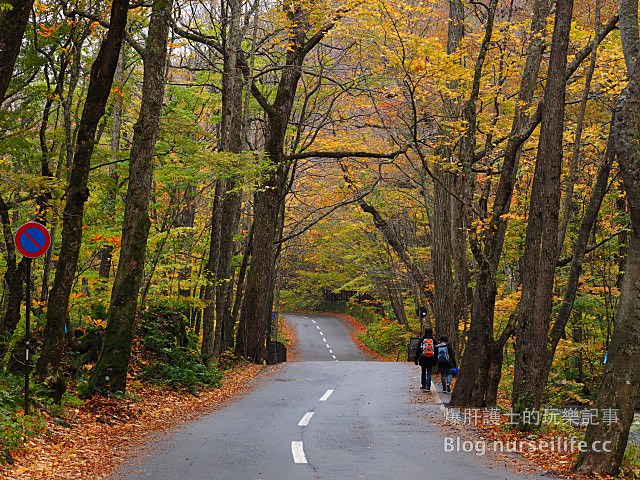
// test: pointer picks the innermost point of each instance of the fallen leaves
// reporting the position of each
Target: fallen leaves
(92, 440)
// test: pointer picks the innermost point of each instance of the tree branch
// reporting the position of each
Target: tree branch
(563, 262)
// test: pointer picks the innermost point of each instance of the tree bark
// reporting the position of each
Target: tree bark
(110, 201)
(102, 72)
(116, 350)
(540, 254)
(621, 383)
(14, 278)
(13, 23)
(471, 387)
(255, 314)
(444, 285)
(230, 141)
(210, 273)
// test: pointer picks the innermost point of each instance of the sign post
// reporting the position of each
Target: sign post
(32, 240)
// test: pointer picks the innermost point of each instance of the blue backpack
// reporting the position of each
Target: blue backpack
(443, 354)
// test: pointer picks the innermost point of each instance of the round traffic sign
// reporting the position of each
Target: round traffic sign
(32, 239)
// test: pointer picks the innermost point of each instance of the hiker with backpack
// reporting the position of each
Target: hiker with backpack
(446, 360)
(426, 358)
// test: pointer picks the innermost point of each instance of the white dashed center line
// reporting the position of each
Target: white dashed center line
(326, 396)
(298, 452)
(304, 421)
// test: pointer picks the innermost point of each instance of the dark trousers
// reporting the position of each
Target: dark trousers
(425, 377)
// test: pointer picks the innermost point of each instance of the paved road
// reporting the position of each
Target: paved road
(319, 418)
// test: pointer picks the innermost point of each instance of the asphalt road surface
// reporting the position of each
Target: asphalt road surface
(332, 415)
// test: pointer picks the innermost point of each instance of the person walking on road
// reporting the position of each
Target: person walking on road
(426, 358)
(446, 361)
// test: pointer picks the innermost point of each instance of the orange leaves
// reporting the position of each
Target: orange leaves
(98, 322)
(113, 240)
(93, 439)
(46, 31)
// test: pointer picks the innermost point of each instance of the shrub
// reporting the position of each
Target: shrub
(15, 428)
(169, 350)
(385, 336)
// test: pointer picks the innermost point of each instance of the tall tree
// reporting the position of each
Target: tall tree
(13, 22)
(448, 244)
(113, 363)
(621, 382)
(102, 72)
(230, 141)
(472, 388)
(540, 251)
(269, 200)
(483, 354)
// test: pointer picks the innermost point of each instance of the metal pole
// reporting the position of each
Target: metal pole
(27, 339)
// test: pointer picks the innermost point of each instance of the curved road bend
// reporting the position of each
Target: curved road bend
(320, 418)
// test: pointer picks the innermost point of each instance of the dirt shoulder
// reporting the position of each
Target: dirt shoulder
(91, 441)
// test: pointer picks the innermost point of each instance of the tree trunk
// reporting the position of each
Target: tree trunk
(231, 209)
(577, 145)
(621, 383)
(14, 278)
(541, 243)
(102, 72)
(444, 287)
(116, 350)
(255, 314)
(397, 305)
(446, 214)
(210, 273)
(110, 201)
(187, 219)
(13, 23)
(230, 141)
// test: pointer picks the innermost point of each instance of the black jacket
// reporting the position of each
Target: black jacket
(426, 361)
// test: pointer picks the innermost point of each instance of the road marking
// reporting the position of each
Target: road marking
(298, 452)
(328, 346)
(304, 421)
(330, 351)
(318, 327)
(326, 396)
(324, 339)
(313, 321)
(322, 334)
(334, 357)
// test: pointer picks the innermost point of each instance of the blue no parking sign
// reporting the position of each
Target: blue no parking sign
(32, 239)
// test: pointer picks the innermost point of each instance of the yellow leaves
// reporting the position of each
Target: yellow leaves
(96, 322)
(39, 7)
